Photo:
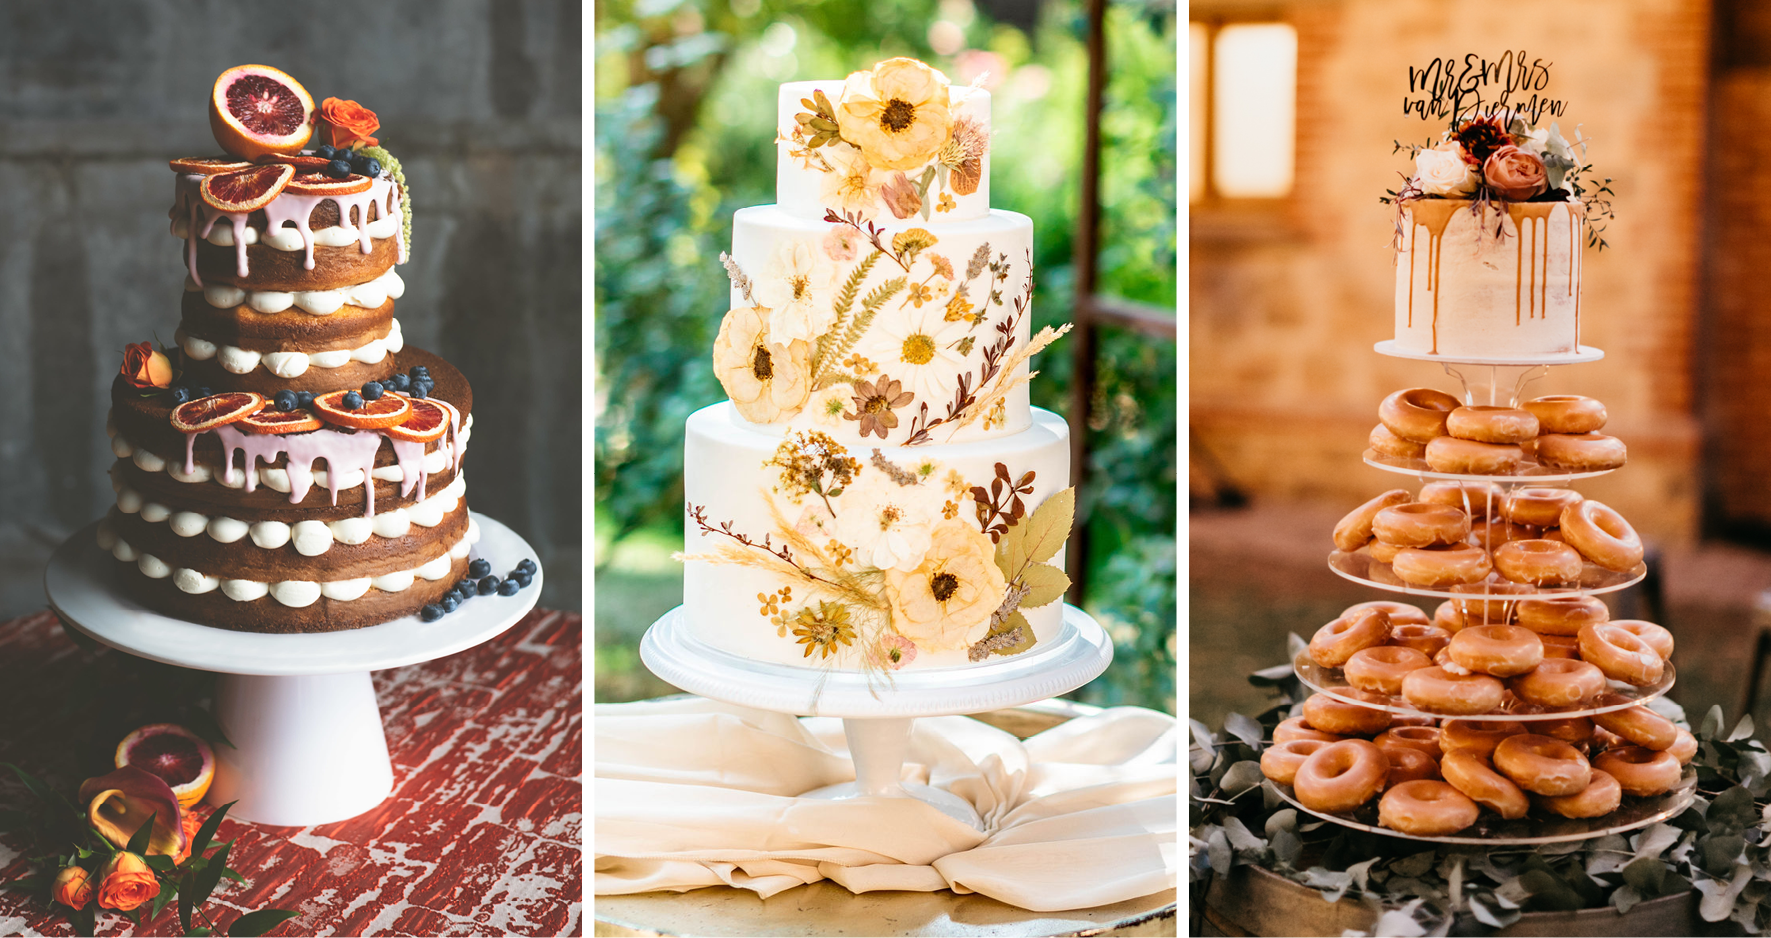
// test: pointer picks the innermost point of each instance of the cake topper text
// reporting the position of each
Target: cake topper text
(1451, 88)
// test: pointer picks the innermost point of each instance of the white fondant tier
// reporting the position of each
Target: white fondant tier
(804, 187)
(741, 609)
(1461, 293)
(953, 305)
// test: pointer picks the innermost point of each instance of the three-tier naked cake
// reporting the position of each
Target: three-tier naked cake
(289, 464)
(877, 493)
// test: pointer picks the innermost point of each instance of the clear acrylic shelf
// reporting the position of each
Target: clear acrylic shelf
(1585, 353)
(1360, 567)
(1528, 473)
(1333, 682)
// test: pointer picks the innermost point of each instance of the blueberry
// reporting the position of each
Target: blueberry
(509, 588)
(338, 169)
(420, 390)
(479, 568)
(466, 584)
(353, 401)
(325, 151)
(488, 585)
(431, 612)
(180, 395)
(419, 371)
(523, 577)
(304, 399)
(399, 382)
(449, 602)
(372, 391)
(285, 399)
(527, 566)
(371, 167)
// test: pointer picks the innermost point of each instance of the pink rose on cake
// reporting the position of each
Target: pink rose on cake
(1514, 174)
(1444, 171)
(146, 367)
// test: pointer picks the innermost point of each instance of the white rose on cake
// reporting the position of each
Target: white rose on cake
(888, 525)
(1444, 171)
(796, 290)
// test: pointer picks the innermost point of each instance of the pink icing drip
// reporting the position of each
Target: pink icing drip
(342, 452)
(410, 457)
(285, 209)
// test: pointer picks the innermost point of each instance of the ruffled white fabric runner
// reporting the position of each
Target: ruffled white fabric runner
(692, 793)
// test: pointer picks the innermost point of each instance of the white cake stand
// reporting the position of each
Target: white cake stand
(876, 715)
(300, 709)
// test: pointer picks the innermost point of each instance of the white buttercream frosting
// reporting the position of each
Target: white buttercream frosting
(289, 239)
(368, 295)
(241, 361)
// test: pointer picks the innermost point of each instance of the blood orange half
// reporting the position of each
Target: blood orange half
(256, 109)
(381, 413)
(426, 423)
(306, 183)
(247, 190)
(178, 756)
(207, 413)
(207, 167)
(273, 421)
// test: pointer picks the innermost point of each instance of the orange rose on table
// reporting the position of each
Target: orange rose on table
(73, 887)
(346, 123)
(126, 882)
(1515, 174)
(146, 367)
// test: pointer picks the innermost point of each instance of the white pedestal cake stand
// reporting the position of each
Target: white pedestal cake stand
(876, 714)
(299, 709)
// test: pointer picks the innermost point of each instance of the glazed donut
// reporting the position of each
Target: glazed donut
(1602, 536)
(1620, 654)
(1399, 613)
(1491, 534)
(1576, 452)
(1441, 566)
(1449, 617)
(1561, 615)
(1684, 747)
(1450, 454)
(1469, 772)
(1479, 500)
(1478, 736)
(1486, 424)
(1538, 562)
(1422, 738)
(1542, 765)
(1601, 797)
(1641, 771)
(1385, 443)
(1380, 670)
(1413, 719)
(1417, 414)
(1638, 725)
(1418, 524)
(1657, 637)
(1500, 598)
(1341, 776)
(1605, 739)
(1539, 507)
(1560, 646)
(1559, 682)
(1383, 553)
(1280, 761)
(1500, 650)
(1566, 413)
(1336, 642)
(1407, 765)
(1354, 530)
(1438, 690)
(1296, 728)
(1426, 639)
(1426, 808)
(1575, 731)
(1336, 716)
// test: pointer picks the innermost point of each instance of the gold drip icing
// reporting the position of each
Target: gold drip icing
(1433, 215)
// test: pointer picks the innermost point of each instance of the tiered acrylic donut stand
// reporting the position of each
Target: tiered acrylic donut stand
(1495, 382)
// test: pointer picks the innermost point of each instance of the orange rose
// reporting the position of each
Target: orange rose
(146, 367)
(346, 123)
(73, 887)
(126, 882)
(191, 823)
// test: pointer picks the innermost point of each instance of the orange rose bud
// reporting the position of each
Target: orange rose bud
(73, 887)
(346, 123)
(146, 367)
(191, 822)
(126, 882)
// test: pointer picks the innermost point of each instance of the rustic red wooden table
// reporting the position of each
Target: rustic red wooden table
(482, 835)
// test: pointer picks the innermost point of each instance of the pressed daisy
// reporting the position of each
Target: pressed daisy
(920, 347)
(899, 113)
(945, 601)
(768, 381)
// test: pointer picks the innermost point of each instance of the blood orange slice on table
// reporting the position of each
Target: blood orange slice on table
(207, 413)
(207, 166)
(256, 109)
(306, 183)
(178, 756)
(302, 162)
(426, 423)
(273, 421)
(379, 414)
(246, 190)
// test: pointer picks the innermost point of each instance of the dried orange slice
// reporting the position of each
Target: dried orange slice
(302, 162)
(207, 413)
(385, 411)
(273, 421)
(247, 190)
(178, 756)
(306, 183)
(208, 166)
(426, 423)
(256, 109)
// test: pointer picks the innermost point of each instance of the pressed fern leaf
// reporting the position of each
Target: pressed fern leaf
(869, 306)
(845, 300)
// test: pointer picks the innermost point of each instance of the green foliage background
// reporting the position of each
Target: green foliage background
(685, 103)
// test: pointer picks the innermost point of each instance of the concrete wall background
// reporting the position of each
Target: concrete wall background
(480, 100)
